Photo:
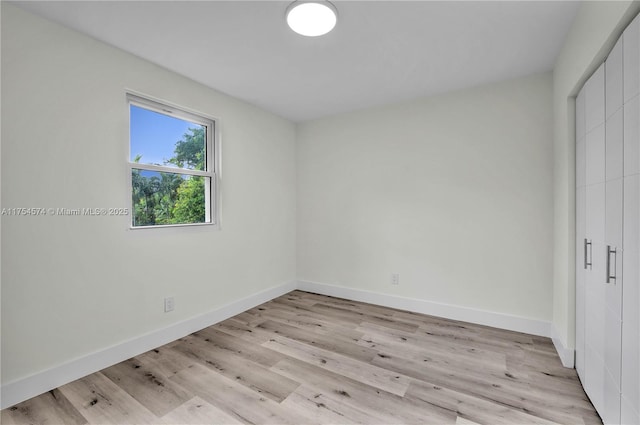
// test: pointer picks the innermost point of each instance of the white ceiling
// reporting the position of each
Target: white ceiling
(380, 51)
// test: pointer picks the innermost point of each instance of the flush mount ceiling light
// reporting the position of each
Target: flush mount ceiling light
(311, 18)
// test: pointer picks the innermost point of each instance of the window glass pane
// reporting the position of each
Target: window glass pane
(164, 140)
(168, 198)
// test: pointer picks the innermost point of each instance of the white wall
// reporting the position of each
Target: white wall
(595, 29)
(75, 285)
(454, 192)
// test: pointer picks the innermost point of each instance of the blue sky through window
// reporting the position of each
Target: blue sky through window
(154, 135)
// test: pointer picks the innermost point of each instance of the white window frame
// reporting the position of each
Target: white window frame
(212, 155)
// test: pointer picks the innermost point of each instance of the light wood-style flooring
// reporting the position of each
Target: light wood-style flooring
(310, 359)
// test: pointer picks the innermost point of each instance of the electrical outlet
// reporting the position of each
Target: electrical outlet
(395, 278)
(168, 304)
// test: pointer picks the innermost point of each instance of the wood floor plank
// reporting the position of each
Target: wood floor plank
(320, 409)
(346, 311)
(347, 347)
(462, 342)
(245, 372)
(240, 402)
(407, 345)
(499, 388)
(545, 363)
(360, 371)
(505, 390)
(471, 408)
(560, 386)
(197, 412)
(309, 321)
(248, 319)
(239, 347)
(101, 401)
(238, 329)
(488, 339)
(51, 407)
(428, 322)
(462, 421)
(165, 360)
(352, 305)
(299, 297)
(388, 408)
(150, 388)
(552, 405)
(359, 317)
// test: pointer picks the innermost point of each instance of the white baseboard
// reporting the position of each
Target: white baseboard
(567, 356)
(447, 311)
(31, 386)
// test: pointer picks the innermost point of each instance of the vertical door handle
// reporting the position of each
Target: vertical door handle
(587, 253)
(610, 251)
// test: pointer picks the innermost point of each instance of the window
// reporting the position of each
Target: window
(171, 160)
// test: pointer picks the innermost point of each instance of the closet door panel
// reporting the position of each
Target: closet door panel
(612, 348)
(630, 373)
(613, 300)
(631, 295)
(614, 129)
(595, 321)
(614, 213)
(594, 100)
(632, 137)
(614, 80)
(581, 225)
(631, 59)
(595, 229)
(581, 125)
(581, 228)
(613, 247)
(594, 332)
(628, 416)
(614, 132)
(594, 296)
(580, 325)
(594, 382)
(581, 146)
(611, 412)
(581, 162)
(595, 164)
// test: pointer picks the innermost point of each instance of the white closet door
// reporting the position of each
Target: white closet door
(613, 241)
(631, 89)
(631, 59)
(614, 146)
(631, 136)
(595, 154)
(614, 80)
(594, 100)
(631, 303)
(614, 130)
(594, 296)
(581, 143)
(581, 228)
(581, 257)
(613, 301)
(630, 376)
(595, 201)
